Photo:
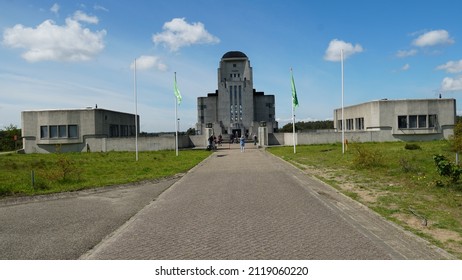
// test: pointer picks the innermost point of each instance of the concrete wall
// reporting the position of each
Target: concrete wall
(167, 142)
(320, 137)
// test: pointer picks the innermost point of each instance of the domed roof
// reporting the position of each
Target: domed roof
(234, 54)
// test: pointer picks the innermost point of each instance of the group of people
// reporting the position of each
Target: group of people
(214, 142)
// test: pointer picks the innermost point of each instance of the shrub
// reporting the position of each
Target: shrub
(447, 169)
(367, 158)
(407, 166)
(412, 146)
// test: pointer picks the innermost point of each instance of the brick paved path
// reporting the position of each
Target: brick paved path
(253, 205)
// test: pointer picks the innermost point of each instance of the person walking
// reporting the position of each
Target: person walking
(242, 143)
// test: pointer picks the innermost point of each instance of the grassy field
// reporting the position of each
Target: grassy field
(76, 171)
(397, 183)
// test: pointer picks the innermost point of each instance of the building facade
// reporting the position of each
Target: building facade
(72, 130)
(417, 119)
(235, 107)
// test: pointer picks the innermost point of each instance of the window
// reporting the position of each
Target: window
(72, 131)
(422, 121)
(402, 122)
(44, 131)
(62, 132)
(339, 125)
(124, 130)
(413, 121)
(53, 131)
(114, 130)
(359, 123)
(349, 124)
(432, 121)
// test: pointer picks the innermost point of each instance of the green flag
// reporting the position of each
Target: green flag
(294, 91)
(176, 91)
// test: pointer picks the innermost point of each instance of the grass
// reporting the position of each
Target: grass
(76, 171)
(397, 182)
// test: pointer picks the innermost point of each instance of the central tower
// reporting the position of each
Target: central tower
(235, 92)
(235, 108)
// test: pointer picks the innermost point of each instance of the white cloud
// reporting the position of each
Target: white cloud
(146, 62)
(55, 8)
(404, 53)
(432, 38)
(451, 84)
(335, 46)
(451, 66)
(81, 16)
(100, 8)
(49, 41)
(405, 67)
(178, 33)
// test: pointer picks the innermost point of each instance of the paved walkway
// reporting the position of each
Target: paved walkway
(253, 205)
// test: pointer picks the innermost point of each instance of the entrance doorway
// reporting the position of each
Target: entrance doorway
(237, 132)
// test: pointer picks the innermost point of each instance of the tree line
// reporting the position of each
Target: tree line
(311, 125)
(10, 138)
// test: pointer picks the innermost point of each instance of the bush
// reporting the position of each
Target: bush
(447, 169)
(412, 147)
(367, 158)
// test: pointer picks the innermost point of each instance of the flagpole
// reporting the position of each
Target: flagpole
(176, 122)
(136, 110)
(293, 126)
(293, 113)
(343, 121)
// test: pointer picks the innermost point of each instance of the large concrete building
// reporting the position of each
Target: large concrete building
(236, 107)
(410, 119)
(72, 129)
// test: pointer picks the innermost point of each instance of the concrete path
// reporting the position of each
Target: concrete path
(253, 205)
(65, 226)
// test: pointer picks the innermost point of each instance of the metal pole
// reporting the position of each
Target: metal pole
(293, 126)
(136, 110)
(343, 120)
(176, 122)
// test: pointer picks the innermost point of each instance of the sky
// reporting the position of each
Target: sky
(76, 54)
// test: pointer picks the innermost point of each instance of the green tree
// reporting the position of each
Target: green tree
(9, 138)
(191, 131)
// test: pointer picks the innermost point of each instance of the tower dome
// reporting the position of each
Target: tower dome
(234, 54)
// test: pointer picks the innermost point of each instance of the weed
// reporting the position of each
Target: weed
(407, 165)
(365, 157)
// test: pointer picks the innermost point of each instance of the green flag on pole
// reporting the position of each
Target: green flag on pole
(177, 91)
(294, 91)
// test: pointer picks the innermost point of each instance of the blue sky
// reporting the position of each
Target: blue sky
(74, 54)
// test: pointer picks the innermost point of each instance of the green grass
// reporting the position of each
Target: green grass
(391, 179)
(76, 171)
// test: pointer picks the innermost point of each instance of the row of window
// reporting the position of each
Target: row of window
(235, 114)
(352, 124)
(59, 131)
(417, 121)
(404, 122)
(116, 130)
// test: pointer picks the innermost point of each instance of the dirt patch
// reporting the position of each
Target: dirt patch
(368, 195)
(344, 182)
(440, 234)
